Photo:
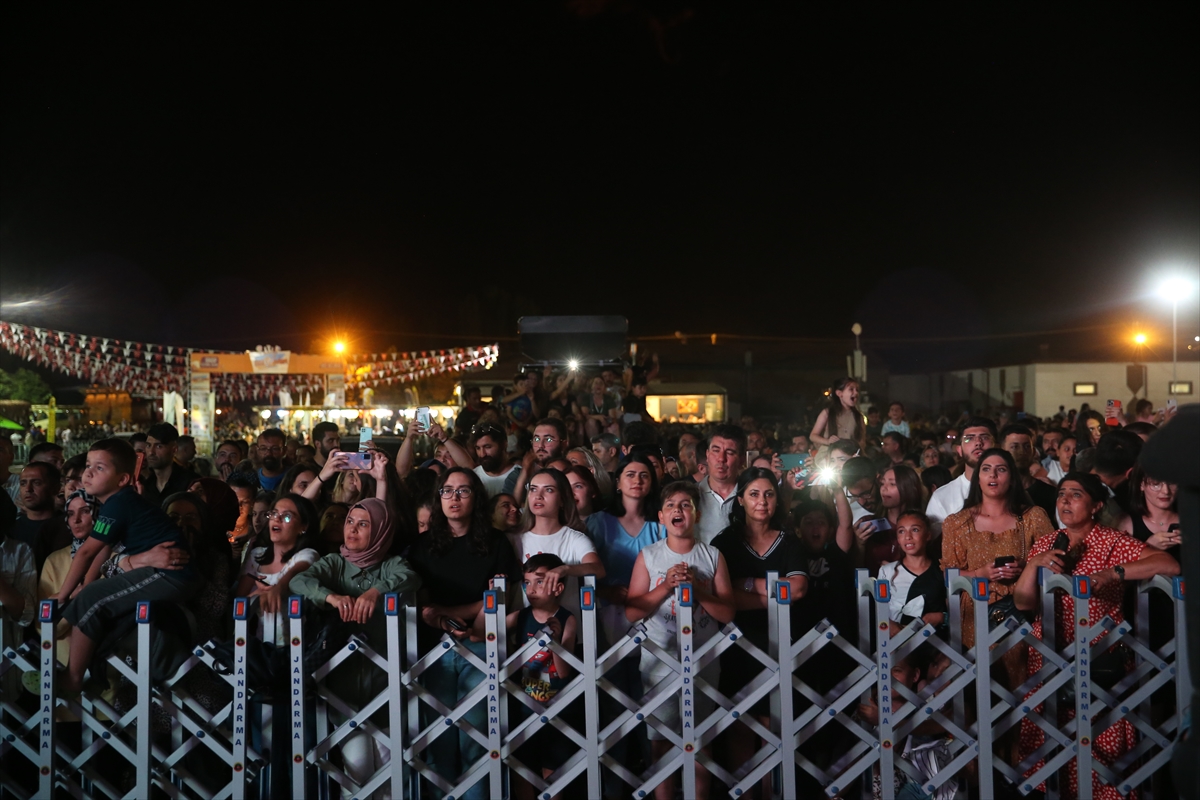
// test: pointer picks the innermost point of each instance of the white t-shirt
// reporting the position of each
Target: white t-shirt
(662, 626)
(568, 544)
(250, 567)
(494, 484)
(946, 501)
(901, 579)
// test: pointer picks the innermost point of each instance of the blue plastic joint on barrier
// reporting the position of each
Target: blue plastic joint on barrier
(883, 591)
(240, 607)
(980, 585)
(685, 595)
(46, 610)
(391, 604)
(587, 598)
(295, 606)
(1177, 588)
(143, 611)
(491, 601)
(1082, 586)
(783, 592)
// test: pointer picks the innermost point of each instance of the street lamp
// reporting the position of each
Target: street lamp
(1175, 288)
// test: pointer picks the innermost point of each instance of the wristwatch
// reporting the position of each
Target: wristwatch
(1120, 570)
(748, 586)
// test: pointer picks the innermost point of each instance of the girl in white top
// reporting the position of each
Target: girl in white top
(658, 570)
(290, 524)
(550, 524)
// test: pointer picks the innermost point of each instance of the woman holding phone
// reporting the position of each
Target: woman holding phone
(899, 489)
(991, 538)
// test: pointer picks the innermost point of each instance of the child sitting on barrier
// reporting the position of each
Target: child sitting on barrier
(658, 570)
(545, 674)
(124, 517)
(352, 582)
(918, 587)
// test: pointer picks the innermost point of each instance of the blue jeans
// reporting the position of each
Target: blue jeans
(452, 754)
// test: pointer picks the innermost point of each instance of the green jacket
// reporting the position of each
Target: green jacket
(333, 574)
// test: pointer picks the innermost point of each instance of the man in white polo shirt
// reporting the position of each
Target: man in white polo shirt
(718, 490)
(976, 435)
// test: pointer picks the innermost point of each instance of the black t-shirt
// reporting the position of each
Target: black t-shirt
(786, 557)
(181, 478)
(830, 592)
(130, 518)
(460, 575)
(632, 404)
(1045, 497)
(930, 584)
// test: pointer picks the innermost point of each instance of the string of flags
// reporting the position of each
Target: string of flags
(148, 370)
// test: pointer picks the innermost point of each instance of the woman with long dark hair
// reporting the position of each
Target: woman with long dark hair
(754, 544)
(292, 526)
(840, 419)
(621, 532)
(457, 558)
(991, 538)
(1089, 427)
(899, 489)
(1154, 512)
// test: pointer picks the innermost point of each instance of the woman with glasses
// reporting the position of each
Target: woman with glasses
(352, 584)
(456, 561)
(1155, 512)
(290, 549)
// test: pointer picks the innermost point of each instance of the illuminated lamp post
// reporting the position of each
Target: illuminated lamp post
(1175, 288)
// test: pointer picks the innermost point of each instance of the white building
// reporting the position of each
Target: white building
(1040, 389)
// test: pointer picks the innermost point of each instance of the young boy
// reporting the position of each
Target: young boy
(124, 517)
(896, 421)
(658, 570)
(545, 674)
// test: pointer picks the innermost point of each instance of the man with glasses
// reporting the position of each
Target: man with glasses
(271, 444)
(549, 441)
(166, 476)
(491, 453)
(976, 435)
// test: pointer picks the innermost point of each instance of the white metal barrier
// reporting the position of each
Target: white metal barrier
(319, 722)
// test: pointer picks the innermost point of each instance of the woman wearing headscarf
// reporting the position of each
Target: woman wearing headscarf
(351, 583)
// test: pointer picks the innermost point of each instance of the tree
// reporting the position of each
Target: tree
(24, 385)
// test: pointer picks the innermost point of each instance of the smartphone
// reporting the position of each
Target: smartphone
(1172, 405)
(878, 525)
(423, 420)
(357, 461)
(365, 437)
(454, 624)
(1022, 415)
(750, 456)
(1112, 413)
(793, 460)
(1002, 560)
(137, 471)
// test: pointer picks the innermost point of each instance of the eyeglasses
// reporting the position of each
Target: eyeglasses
(263, 448)
(283, 516)
(479, 430)
(860, 496)
(545, 439)
(983, 437)
(446, 492)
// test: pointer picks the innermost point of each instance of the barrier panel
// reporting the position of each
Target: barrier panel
(853, 733)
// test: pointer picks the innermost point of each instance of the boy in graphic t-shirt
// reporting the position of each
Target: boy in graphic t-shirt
(124, 517)
(546, 673)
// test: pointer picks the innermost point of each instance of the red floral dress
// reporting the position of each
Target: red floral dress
(1102, 549)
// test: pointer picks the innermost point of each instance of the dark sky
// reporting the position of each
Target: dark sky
(215, 178)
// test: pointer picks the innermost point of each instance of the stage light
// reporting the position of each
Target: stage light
(339, 347)
(1139, 338)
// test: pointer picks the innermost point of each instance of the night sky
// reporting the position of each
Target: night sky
(421, 179)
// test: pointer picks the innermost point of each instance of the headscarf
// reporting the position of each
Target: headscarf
(222, 503)
(92, 503)
(381, 535)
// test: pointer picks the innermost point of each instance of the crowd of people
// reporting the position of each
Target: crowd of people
(543, 488)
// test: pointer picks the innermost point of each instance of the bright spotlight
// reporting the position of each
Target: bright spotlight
(265, 413)
(1175, 288)
(572, 365)
(339, 347)
(1140, 338)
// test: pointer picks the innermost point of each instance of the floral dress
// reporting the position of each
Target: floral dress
(1103, 549)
